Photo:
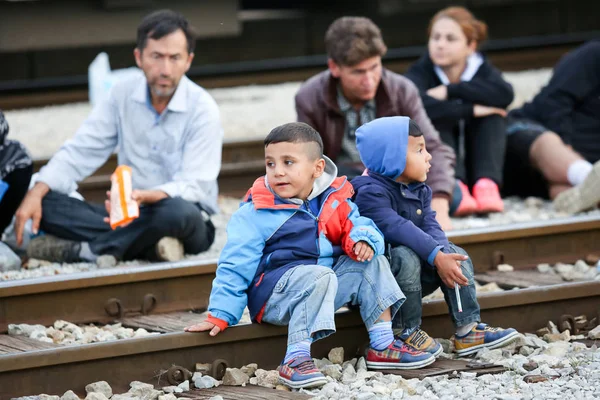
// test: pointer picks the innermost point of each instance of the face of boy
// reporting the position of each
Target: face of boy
(417, 161)
(359, 82)
(291, 169)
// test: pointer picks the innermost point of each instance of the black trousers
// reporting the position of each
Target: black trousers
(484, 145)
(18, 184)
(73, 219)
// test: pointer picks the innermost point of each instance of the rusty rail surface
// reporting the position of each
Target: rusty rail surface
(148, 359)
(103, 295)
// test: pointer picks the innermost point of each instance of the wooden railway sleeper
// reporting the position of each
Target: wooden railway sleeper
(114, 307)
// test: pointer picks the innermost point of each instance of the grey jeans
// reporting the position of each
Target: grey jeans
(416, 278)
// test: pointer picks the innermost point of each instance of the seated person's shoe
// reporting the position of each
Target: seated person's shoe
(467, 205)
(301, 372)
(483, 335)
(398, 355)
(487, 196)
(170, 249)
(420, 340)
(54, 249)
(581, 197)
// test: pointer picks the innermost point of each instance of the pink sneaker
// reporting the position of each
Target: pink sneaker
(487, 195)
(467, 205)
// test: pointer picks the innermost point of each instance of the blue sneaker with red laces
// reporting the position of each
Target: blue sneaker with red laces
(300, 373)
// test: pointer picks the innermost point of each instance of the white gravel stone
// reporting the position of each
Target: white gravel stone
(99, 387)
(235, 377)
(23, 329)
(505, 268)
(249, 369)
(594, 333)
(336, 355)
(143, 390)
(185, 386)
(216, 398)
(69, 395)
(206, 382)
(168, 396)
(95, 396)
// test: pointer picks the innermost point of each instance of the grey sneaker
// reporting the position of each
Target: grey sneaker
(54, 249)
(170, 249)
(581, 197)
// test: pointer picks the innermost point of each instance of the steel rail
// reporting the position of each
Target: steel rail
(507, 54)
(72, 367)
(97, 296)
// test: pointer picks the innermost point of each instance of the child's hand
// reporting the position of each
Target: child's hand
(448, 267)
(363, 251)
(204, 326)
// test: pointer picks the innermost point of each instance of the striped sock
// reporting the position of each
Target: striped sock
(298, 349)
(381, 335)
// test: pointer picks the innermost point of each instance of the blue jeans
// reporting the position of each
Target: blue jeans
(306, 297)
(417, 279)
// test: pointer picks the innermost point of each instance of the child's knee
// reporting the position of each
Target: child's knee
(406, 265)
(324, 279)
(466, 266)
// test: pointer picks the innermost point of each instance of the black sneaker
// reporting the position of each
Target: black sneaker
(51, 248)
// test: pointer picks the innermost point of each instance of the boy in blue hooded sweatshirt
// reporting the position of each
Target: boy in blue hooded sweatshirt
(296, 251)
(393, 195)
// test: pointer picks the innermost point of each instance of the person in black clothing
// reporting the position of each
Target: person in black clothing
(553, 147)
(16, 168)
(465, 98)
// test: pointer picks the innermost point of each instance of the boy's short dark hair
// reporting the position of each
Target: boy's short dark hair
(350, 40)
(413, 129)
(162, 23)
(296, 132)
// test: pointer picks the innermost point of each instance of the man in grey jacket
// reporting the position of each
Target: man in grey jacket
(167, 129)
(357, 89)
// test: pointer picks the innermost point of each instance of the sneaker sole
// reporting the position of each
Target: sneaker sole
(493, 345)
(438, 352)
(396, 365)
(305, 384)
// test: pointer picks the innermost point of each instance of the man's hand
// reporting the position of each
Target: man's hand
(485, 111)
(441, 206)
(148, 196)
(439, 92)
(204, 326)
(141, 196)
(30, 208)
(363, 251)
(448, 268)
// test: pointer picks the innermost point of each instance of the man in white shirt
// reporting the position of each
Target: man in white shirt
(167, 129)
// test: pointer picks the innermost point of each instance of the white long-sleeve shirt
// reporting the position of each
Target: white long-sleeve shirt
(178, 151)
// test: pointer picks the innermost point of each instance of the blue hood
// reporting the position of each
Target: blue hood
(382, 145)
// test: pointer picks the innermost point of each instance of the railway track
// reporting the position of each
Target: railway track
(507, 54)
(166, 297)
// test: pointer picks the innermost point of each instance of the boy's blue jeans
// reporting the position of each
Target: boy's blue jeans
(306, 297)
(416, 278)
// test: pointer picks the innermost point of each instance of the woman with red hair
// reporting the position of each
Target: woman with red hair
(466, 99)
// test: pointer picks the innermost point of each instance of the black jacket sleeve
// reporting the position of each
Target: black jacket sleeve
(487, 88)
(574, 78)
(438, 111)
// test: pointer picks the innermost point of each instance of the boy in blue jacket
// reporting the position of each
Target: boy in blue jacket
(393, 195)
(296, 251)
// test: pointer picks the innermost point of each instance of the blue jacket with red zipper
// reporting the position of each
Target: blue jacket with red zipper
(269, 235)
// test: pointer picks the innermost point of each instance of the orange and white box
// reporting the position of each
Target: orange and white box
(123, 209)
